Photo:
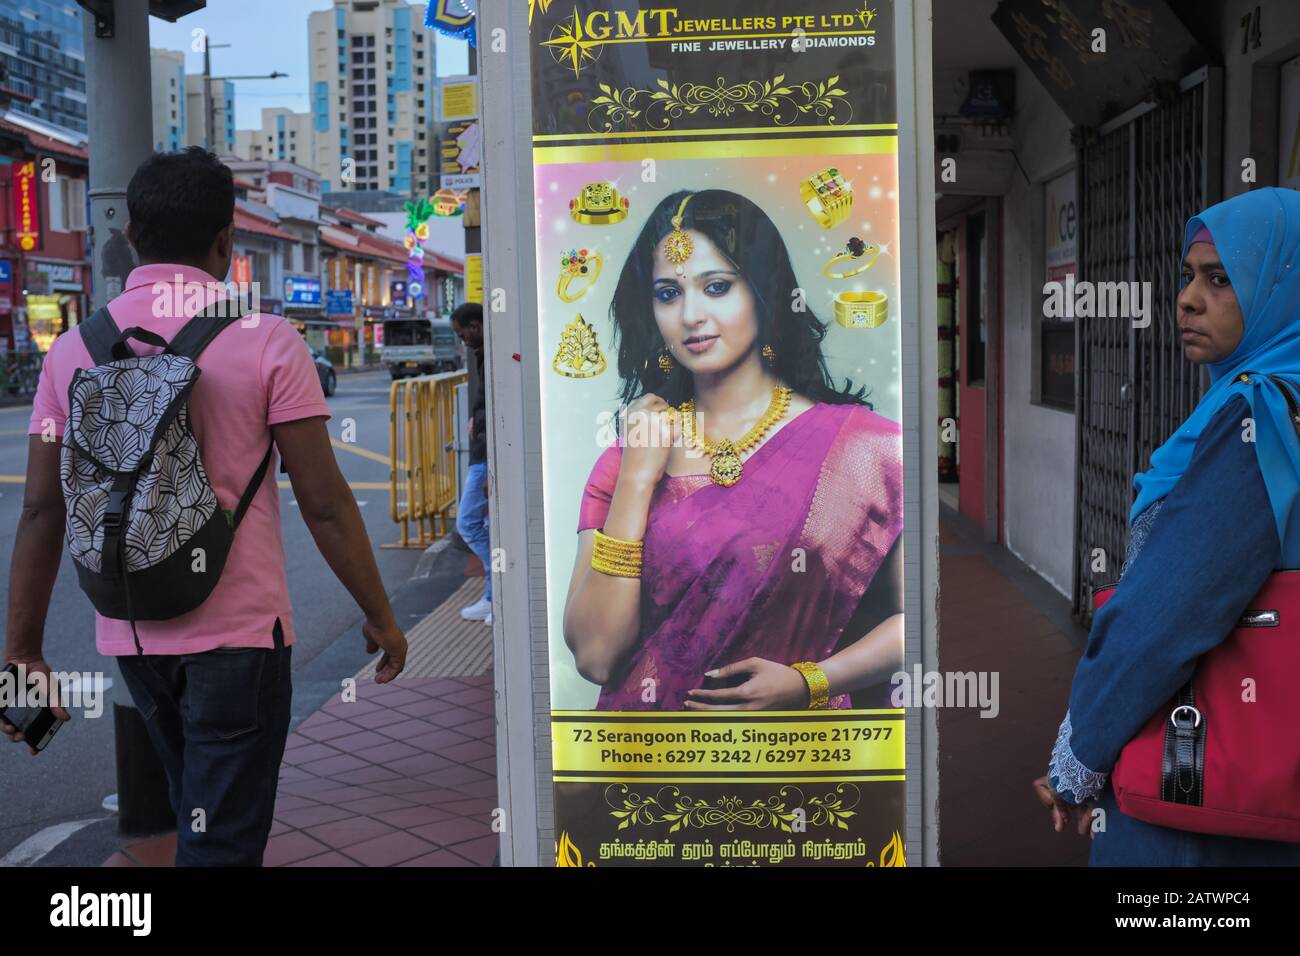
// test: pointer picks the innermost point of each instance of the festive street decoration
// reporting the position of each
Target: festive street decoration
(418, 214)
(448, 203)
(452, 18)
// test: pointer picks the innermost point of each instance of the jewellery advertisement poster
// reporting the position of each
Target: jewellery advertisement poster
(717, 222)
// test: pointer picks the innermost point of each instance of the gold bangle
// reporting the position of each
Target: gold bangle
(827, 196)
(819, 688)
(861, 310)
(616, 557)
(581, 267)
(599, 204)
(615, 568)
(618, 547)
(865, 254)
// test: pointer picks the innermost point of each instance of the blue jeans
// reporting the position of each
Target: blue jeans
(472, 520)
(1127, 841)
(219, 721)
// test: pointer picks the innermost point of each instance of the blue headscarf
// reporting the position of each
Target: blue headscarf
(1257, 236)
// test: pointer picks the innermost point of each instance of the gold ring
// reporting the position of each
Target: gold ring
(580, 266)
(866, 252)
(599, 204)
(861, 310)
(828, 197)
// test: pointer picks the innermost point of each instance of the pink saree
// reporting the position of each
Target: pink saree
(721, 577)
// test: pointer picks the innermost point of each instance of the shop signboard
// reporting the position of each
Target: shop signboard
(718, 232)
(302, 291)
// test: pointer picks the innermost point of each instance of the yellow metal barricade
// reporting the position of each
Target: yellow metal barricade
(422, 455)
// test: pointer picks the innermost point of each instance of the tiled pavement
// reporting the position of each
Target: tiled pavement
(997, 615)
(405, 775)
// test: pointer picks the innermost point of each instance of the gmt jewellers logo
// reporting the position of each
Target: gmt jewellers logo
(576, 40)
(77, 909)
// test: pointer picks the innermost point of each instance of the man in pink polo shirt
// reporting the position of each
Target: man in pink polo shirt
(212, 685)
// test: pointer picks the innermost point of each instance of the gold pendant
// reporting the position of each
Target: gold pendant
(726, 468)
(579, 354)
(679, 246)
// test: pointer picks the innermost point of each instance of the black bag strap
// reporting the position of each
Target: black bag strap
(106, 344)
(1292, 406)
(114, 519)
(1287, 388)
(198, 333)
(122, 347)
(98, 334)
(251, 491)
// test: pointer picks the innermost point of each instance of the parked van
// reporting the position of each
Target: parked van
(420, 347)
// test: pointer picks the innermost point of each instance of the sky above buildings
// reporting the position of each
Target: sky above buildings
(266, 36)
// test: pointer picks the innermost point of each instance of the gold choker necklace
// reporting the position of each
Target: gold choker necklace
(727, 468)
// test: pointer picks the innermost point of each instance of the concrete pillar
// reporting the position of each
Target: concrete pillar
(120, 124)
(120, 115)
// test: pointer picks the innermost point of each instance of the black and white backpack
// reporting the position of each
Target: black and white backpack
(147, 534)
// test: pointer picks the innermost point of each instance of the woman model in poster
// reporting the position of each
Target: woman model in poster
(1196, 554)
(742, 550)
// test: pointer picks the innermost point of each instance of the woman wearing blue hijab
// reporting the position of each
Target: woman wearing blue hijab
(1213, 518)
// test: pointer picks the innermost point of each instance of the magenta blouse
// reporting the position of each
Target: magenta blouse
(772, 567)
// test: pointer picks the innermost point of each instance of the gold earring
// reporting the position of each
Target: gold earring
(665, 360)
(769, 353)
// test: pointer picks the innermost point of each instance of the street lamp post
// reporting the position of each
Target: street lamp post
(209, 107)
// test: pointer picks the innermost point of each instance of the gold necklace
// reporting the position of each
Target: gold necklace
(726, 468)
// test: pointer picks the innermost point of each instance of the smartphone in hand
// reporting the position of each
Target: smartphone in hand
(38, 725)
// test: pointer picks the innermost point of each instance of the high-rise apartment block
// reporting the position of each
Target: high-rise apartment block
(190, 110)
(167, 72)
(372, 90)
(45, 65)
(210, 105)
(284, 135)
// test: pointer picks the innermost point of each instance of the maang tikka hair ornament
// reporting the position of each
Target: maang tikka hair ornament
(679, 246)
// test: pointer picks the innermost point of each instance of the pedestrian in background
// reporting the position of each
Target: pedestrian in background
(472, 513)
(1211, 522)
(213, 684)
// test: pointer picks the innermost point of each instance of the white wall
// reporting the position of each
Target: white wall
(1038, 441)
(1250, 83)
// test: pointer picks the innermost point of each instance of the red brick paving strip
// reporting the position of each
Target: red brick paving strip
(403, 776)
(988, 814)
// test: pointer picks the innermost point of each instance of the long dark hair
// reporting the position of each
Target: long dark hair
(746, 236)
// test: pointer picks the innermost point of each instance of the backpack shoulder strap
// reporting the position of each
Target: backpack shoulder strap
(250, 492)
(197, 334)
(99, 333)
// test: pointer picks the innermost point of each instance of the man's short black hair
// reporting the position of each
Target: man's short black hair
(467, 313)
(178, 204)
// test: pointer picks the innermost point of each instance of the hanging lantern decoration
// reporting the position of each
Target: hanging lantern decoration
(417, 230)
